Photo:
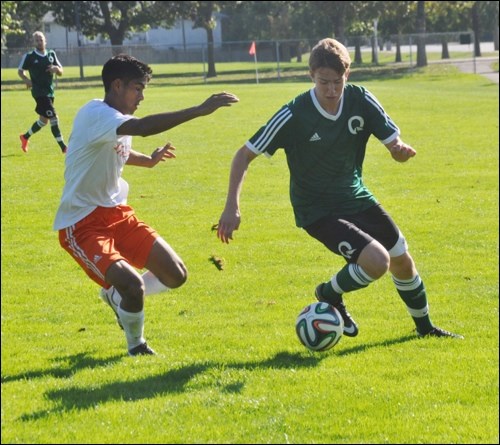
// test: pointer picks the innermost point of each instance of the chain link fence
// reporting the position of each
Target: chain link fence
(364, 49)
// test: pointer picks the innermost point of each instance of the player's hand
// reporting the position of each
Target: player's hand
(228, 223)
(401, 152)
(216, 101)
(162, 153)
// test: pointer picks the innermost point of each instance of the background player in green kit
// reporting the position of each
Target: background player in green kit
(324, 132)
(41, 64)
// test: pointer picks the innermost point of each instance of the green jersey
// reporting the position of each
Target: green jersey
(36, 63)
(325, 152)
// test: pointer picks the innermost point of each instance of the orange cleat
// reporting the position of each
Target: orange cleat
(24, 143)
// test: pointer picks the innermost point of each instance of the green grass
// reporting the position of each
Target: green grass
(229, 367)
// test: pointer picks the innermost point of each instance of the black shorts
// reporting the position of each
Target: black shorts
(349, 235)
(45, 107)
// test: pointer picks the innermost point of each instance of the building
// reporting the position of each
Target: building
(182, 36)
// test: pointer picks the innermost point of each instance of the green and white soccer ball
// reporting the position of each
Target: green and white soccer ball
(319, 326)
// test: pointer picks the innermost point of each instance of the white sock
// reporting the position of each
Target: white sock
(133, 325)
(152, 284)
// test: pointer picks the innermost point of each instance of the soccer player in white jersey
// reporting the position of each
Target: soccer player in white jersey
(324, 132)
(96, 226)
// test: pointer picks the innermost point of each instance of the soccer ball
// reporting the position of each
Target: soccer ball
(319, 326)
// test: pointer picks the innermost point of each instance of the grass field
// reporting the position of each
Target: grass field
(229, 367)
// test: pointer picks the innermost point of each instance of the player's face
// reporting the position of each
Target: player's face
(329, 87)
(131, 95)
(39, 41)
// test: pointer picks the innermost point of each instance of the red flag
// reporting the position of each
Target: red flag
(252, 51)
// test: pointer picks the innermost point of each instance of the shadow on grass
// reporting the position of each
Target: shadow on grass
(364, 347)
(176, 381)
(171, 382)
(64, 367)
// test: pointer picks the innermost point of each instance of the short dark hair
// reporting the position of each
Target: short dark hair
(330, 53)
(124, 67)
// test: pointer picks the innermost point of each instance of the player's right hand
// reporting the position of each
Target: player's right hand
(228, 223)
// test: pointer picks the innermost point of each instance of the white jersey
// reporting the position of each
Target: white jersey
(94, 163)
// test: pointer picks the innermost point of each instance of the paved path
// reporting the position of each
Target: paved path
(479, 66)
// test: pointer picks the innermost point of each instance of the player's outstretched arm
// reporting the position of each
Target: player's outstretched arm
(158, 123)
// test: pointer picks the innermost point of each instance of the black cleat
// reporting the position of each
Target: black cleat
(142, 349)
(350, 326)
(438, 332)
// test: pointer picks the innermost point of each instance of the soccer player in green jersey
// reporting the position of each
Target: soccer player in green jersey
(324, 132)
(41, 64)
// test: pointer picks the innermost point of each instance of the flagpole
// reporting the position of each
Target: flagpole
(253, 52)
(256, 69)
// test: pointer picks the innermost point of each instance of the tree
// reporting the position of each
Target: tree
(446, 16)
(421, 54)
(202, 17)
(20, 20)
(114, 19)
(9, 24)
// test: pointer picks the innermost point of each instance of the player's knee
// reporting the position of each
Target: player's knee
(175, 277)
(132, 293)
(181, 275)
(375, 260)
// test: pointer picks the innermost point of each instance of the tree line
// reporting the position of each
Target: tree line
(256, 20)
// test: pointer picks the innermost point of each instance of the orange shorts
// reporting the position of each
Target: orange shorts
(106, 236)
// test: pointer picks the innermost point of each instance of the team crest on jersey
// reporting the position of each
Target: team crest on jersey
(356, 124)
(346, 250)
(123, 151)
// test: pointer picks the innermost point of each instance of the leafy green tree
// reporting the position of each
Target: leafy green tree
(114, 19)
(10, 25)
(21, 19)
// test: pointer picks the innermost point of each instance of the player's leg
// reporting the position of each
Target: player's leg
(129, 284)
(409, 285)
(92, 245)
(166, 270)
(367, 261)
(412, 291)
(50, 112)
(37, 125)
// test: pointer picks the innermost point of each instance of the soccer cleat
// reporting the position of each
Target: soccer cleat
(350, 326)
(109, 296)
(24, 143)
(64, 150)
(142, 349)
(438, 332)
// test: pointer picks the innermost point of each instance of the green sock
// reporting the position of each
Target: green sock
(37, 126)
(350, 278)
(56, 132)
(412, 292)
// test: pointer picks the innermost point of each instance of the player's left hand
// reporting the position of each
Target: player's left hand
(401, 152)
(162, 153)
(216, 101)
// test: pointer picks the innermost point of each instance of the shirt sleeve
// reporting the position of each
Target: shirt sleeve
(271, 136)
(56, 60)
(382, 126)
